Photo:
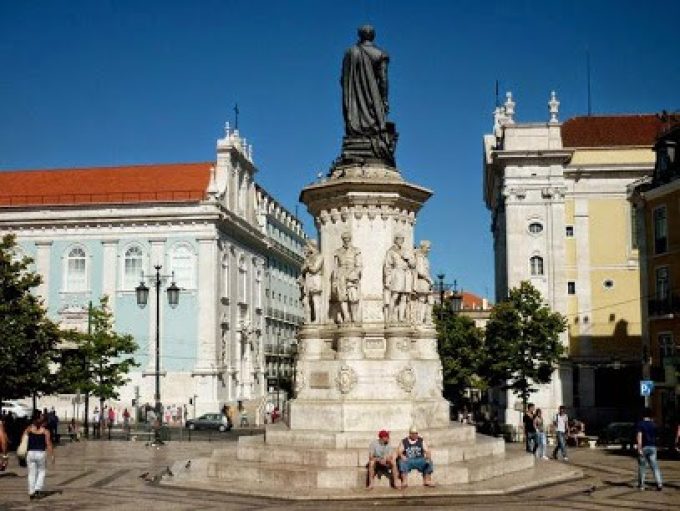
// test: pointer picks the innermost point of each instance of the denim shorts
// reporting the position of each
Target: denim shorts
(420, 464)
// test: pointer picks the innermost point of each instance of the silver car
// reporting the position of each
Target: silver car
(16, 408)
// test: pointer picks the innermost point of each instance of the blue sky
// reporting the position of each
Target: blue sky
(89, 83)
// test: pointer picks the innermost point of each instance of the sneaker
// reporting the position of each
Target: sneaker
(659, 488)
(546, 458)
(565, 459)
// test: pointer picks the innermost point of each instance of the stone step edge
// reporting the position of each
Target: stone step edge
(478, 488)
(474, 464)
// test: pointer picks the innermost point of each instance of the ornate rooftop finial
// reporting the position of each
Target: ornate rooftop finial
(226, 130)
(554, 106)
(509, 108)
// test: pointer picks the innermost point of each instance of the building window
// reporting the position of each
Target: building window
(660, 230)
(634, 220)
(76, 270)
(132, 267)
(570, 231)
(535, 228)
(226, 278)
(662, 283)
(242, 280)
(182, 264)
(536, 264)
(571, 288)
(258, 289)
(666, 347)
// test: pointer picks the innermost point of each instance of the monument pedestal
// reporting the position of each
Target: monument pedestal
(356, 375)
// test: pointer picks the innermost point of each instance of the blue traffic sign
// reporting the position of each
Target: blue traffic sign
(646, 388)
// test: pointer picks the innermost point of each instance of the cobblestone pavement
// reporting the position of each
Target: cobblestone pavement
(102, 474)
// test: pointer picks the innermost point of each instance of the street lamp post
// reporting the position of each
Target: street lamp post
(142, 292)
(456, 297)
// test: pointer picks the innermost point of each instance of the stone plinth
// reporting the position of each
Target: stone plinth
(309, 460)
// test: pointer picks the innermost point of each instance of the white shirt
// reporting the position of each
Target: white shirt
(561, 422)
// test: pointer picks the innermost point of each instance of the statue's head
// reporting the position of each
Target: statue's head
(425, 246)
(399, 239)
(346, 237)
(312, 246)
(366, 33)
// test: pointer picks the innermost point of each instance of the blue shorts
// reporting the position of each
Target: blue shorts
(420, 464)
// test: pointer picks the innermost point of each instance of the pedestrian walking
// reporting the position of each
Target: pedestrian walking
(4, 445)
(539, 426)
(39, 444)
(645, 436)
(529, 429)
(561, 429)
(95, 423)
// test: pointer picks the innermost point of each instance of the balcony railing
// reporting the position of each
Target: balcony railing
(664, 306)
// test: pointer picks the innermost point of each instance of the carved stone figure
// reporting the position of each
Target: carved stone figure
(346, 282)
(368, 135)
(398, 281)
(310, 282)
(423, 285)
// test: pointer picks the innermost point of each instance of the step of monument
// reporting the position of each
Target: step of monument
(292, 475)
(255, 449)
(280, 434)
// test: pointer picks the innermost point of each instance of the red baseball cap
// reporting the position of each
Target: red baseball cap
(383, 434)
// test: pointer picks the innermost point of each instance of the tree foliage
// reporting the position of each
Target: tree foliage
(522, 342)
(461, 349)
(28, 339)
(100, 361)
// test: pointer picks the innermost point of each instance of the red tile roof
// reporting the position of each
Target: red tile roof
(472, 302)
(180, 182)
(611, 131)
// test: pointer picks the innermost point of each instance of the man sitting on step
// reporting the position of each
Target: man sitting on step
(381, 459)
(414, 454)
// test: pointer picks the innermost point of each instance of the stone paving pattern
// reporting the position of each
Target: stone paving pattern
(103, 474)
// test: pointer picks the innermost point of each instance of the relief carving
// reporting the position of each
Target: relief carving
(346, 379)
(406, 379)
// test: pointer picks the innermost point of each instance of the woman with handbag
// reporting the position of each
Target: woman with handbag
(37, 443)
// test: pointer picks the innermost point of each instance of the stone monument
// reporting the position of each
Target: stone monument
(367, 352)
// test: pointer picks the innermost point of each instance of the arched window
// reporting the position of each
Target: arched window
(132, 267)
(182, 263)
(536, 263)
(76, 270)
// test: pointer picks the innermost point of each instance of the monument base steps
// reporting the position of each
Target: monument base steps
(309, 460)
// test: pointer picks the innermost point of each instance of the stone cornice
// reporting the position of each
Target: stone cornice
(352, 192)
(544, 156)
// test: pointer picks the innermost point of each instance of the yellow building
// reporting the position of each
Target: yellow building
(561, 220)
(657, 199)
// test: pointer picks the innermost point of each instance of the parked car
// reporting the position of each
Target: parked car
(16, 408)
(208, 421)
(618, 433)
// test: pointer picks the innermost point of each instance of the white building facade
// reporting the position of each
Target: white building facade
(211, 228)
(557, 196)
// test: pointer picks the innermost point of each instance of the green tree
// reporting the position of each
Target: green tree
(461, 349)
(28, 339)
(102, 358)
(522, 342)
